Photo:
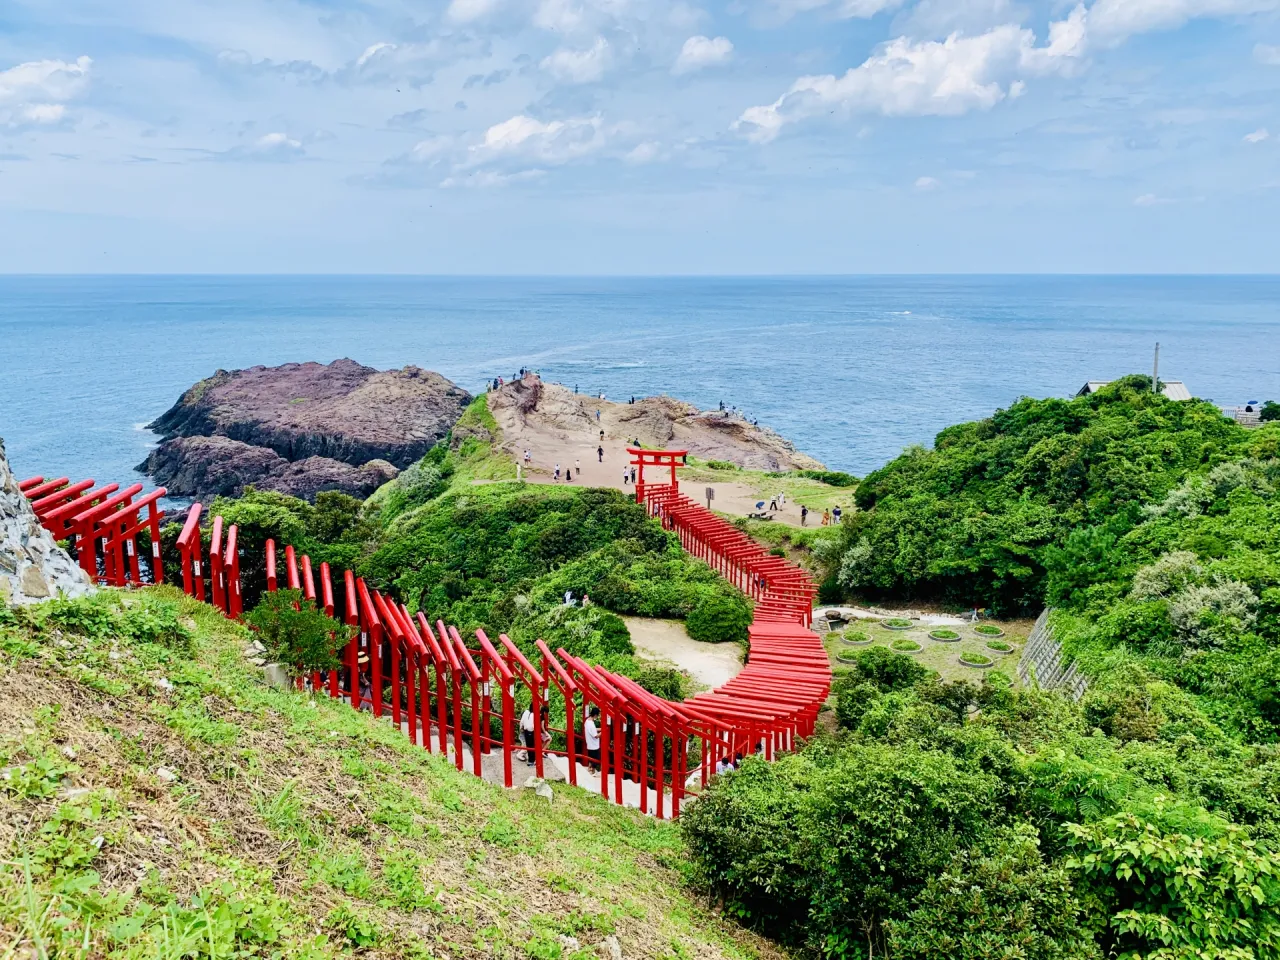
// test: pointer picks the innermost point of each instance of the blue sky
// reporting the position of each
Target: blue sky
(640, 136)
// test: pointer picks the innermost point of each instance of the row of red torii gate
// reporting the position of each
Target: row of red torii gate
(439, 688)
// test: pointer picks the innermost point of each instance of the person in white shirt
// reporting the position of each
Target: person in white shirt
(591, 734)
(528, 730)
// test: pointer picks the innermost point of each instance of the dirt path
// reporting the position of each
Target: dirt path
(710, 664)
(564, 429)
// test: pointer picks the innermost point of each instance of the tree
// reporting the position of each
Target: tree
(1001, 900)
(1166, 895)
(1270, 411)
(296, 632)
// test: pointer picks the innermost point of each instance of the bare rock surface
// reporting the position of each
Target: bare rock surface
(547, 416)
(32, 565)
(301, 428)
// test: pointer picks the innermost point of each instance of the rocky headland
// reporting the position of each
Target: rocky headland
(558, 424)
(301, 428)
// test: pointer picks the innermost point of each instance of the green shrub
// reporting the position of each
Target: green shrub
(975, 659)
(944, 635)
(719, 618)
(988, 630)
(905, 645)
(297, 633)
(1001, 899)
(821, 848)
(832, 478)
(721, 465)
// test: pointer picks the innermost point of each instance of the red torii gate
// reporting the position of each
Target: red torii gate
(641, 458)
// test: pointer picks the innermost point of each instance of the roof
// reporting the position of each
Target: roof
(1173, 389)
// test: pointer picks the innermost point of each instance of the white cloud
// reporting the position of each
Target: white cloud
(699, 52)
(927, 183)
(271, 146)
(1257, 136)
(578, 66)
(642, 153)
(926, 78)
(34, 93)
(843, 9)
(1268, 54)
(1151, 200)
(1116, 19)
(488, 178)
(468, 11)
(524, 139)
(558, 16)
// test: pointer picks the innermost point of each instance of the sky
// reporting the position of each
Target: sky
(640, 136)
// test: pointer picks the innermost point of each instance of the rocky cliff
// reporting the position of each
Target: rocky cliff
(301, 428)
(32, 565)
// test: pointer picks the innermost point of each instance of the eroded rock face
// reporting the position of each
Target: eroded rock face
(32, 565)
(301, 428)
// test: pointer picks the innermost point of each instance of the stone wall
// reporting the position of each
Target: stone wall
(1042, 665)
(32, 565)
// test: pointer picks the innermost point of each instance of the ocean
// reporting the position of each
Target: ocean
(852, 369)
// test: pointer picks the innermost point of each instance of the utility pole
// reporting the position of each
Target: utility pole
(1155, 372)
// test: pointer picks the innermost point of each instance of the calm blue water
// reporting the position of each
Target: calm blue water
(851, 369)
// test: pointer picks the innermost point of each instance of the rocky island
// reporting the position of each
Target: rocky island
(301, 428)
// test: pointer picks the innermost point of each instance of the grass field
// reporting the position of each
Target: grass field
(940, 656)
(157, 803)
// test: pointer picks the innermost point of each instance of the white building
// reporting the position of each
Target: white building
(1173, 389)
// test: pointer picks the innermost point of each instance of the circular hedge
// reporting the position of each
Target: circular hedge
(980, 660)
(988, 630)
(946, 636)
(999, 646)
(897, 623)
(905, 646)
(855, 637)
(998, 679)
(847, 656)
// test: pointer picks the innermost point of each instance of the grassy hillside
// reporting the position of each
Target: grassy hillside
(157, 800)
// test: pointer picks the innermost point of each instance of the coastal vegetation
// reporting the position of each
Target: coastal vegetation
(157, 800)
(972, 820)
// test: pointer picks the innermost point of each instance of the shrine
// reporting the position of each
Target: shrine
(641, 458)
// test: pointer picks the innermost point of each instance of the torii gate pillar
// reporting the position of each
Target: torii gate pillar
(670, 459)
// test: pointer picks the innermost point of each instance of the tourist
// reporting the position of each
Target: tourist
(568, 598)
(633, 474)
(602, 436)
(804, 515)
(633, 401)
(835, 514)
(586, 600)
(826, 518)
(591, 734)
(568, 474)
(366, 683)
(625, 474)
(597, 416)
(723, 766)
(600, 453)
(773, 504)
(557, 473)
(528, 730)
(577, 466)
(722, 406)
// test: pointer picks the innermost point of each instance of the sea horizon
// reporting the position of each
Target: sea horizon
(851, 368)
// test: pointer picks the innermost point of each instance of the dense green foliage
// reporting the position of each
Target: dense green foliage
(975, 821)
(970, 521)
(972, 821)
(502, 558)
(296, 632)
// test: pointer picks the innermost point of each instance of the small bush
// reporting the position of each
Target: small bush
(999, 645)
(944, 635)
(975, 659)
(896, 623)
(832, 478)
(855, 636)
(719, 618)
(988, 630)
(905, 646)
(721, 465)
(296, 632)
